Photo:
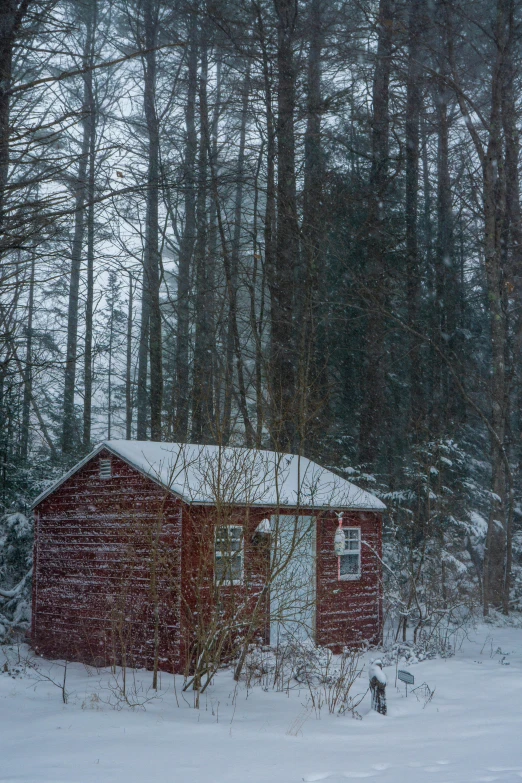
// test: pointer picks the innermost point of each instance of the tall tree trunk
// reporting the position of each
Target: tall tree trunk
(443, 256)
(152, 253)
(202, 387)
(442, 250)
(447, 405)
(180, 400)
(494, 206)
(150, 400)
(12, 15)
(283, 425)
(69, 431)
(215, 424)
(312, 392)
(257, 312)
(494, 210)
(373, 401)
(269, 229)
(89, 301)
(427, 225)
(143, 362)
(109, 369)
(28, 370)
(234, 256)
(413, 261)
(510, 121)
(128, 365)
(232, 311)
(433, 359)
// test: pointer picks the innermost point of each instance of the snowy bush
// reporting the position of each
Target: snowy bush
(16, 541)
(426, 648)
(434, 543)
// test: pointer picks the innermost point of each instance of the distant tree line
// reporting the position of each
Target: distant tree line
(288, 224)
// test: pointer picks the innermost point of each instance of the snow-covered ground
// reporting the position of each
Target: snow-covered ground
(471, 730)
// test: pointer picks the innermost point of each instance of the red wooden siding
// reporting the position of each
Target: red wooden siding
(246, 603)
(103, 561)
(349, 612)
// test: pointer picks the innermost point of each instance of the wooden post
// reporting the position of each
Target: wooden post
(378, 687)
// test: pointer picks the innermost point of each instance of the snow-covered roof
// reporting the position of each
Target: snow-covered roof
(237, 476)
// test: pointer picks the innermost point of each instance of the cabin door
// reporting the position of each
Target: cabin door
(293, 588)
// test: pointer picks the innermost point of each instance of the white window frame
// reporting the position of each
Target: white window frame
(352, 577)
(219, 554)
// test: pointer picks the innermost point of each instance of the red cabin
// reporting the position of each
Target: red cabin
(144, 547)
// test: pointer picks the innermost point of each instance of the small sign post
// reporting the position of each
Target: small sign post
(407, 678)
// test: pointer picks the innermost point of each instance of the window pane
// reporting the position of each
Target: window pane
(235, 538)
(349, 564)
(228, 569)
(235, 567)
(352, 539)
(228, 538)
(220, 575)
(228, 554)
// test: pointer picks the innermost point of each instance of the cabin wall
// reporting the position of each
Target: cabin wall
(245, 606)
(107, 553)
(349, 613)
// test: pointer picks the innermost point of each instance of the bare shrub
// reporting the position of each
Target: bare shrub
(125, 689)
(19, 662)
(330, 679)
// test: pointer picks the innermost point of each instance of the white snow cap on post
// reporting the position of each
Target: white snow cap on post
(376, 671)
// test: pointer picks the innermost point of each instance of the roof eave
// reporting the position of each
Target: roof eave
(291, 506)
(49, 491)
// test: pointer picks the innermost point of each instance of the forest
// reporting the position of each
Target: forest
(284, 224)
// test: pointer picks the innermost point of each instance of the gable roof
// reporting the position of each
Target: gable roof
(235, 476)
